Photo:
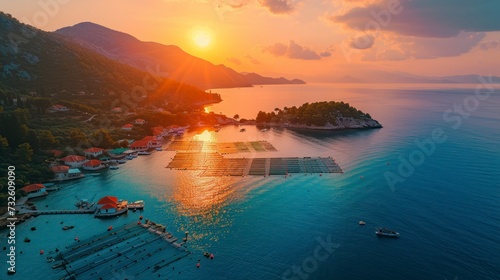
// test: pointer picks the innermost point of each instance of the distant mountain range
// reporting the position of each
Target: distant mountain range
(371, 76)
(168, 60)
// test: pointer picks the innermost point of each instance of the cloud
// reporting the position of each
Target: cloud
(407, 47)
(252, 59)
(423, 18)
(490, 45)
(294, 51)
(278, 6)
(234, 60)
(362, 42)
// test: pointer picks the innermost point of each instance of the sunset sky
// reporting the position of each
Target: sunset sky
(286, 37)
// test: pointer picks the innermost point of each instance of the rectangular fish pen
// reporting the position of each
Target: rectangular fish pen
(143, 251)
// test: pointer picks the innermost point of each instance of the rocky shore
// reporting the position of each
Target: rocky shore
(343, 123)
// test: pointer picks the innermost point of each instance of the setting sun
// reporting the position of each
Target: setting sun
(202, 38)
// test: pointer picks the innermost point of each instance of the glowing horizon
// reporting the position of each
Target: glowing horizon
(282, 38)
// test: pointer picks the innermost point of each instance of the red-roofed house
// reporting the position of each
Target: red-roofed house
(93, 152)
(35, 190)
(159, 132)
(109, 206)
(153, 142)
(74, 161)
(139, 145)
(93, 165)
(127, 127)
(58, 108)
(56, 153)
(139, 121)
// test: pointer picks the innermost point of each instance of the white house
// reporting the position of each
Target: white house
(127, 127)
(139, 121)
(93, 152)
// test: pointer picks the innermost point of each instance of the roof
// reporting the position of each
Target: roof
(118, 151)
(73, 158)
(58, 106)
(56, 153)
(93, 150)
(139, 143)
(33, 187)
(92, 162)
(74, 171)
(127, 126)
(149, 138)
(139, 120)
(108, 200)
(59, 168)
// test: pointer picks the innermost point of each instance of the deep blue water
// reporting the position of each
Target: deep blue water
(447, 210)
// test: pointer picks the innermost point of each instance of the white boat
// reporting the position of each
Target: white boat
(159, 149)
(139, 204)
(143, 153)
(129, 157)
(113, 167)
(362, 223)
(121, 161)
(386, 232)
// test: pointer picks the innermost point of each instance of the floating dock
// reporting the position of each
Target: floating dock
(54, 212)
(214, 164)
(145, 251)
(222, 148)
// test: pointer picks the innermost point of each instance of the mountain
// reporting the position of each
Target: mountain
(256, 79)
(374, 76)
(49, 65)
(168, 60)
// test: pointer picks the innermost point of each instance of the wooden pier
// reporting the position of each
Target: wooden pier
(55, 212)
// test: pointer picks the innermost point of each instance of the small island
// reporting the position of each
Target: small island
(319, 115)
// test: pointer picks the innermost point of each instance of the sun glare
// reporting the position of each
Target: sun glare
(202, 38)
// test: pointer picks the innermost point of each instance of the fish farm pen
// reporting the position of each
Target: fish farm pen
(141, 251)
(222, 148)
(214, 164)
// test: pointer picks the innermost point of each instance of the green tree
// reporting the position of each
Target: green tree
(24, 152)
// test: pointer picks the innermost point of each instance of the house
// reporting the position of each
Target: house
(93, 152)
(127, 127)
(159, 132)
(110, 206)
(139, 121)
(58, 108)
(139, 145)
(94, 165)
(63, 173)
(74, 161)
(117, 153)
(35, 190)
(56, 153)
(152, 141)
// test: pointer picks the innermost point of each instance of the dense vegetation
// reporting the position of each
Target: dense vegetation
(319, 114)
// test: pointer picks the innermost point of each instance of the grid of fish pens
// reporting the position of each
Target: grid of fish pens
(222, 147)
(142, 251)
(258, 167)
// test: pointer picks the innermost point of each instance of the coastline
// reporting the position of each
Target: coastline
(346, 124)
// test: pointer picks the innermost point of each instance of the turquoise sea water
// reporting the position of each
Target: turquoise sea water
(447, 210)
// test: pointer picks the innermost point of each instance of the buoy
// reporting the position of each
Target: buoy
(110, 228)
(211, 256)
(139, 222)
(41, 252)
(198, 265)
(140, 217)
(76, 238)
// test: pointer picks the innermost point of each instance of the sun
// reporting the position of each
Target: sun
(201, 38)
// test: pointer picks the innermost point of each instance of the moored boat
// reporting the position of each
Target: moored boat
(386, 232)
(143, 153)
(139, 204)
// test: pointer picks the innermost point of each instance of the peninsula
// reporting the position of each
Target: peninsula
(319, 115)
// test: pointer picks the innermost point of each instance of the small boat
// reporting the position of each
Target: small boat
(113, 167)
(243, 130)
(362, 223)
(159, 149)
(139, 204)
(68, 227)
(143, 153)
(121, 161)
(386, 232)
(129, 157)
